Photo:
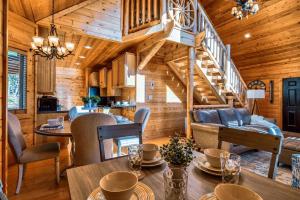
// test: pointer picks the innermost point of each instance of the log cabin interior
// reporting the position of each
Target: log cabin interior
(106, 99)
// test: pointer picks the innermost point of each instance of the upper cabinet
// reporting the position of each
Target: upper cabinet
(110, 90)
(124, 70)
(103, 77)
(46, 76)
(94, 79)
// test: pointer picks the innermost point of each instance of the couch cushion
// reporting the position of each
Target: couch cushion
(243, 116)
(207, 116)
(228, 117)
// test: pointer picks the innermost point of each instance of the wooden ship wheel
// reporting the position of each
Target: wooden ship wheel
(183, 13)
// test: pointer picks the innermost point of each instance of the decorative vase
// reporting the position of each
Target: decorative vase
(175, 182)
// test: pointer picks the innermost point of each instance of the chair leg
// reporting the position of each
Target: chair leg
(20, 177)
(57, 170)
(273, 166)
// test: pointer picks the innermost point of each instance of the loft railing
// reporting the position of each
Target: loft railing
(221, 54)
(140, 14)
(189, 16)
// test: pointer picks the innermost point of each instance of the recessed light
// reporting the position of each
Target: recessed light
(247, 35)
(77, 63)
(82, 57)
(87, 47)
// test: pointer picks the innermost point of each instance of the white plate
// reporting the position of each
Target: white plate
(199, 166)
(209, 196)
(156, 159)
(154, 164)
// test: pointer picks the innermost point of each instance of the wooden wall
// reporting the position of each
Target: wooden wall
(166, 118)
(70, 86)
(20, 32)
(3, 69)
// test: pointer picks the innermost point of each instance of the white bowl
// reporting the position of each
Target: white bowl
(118, 185)
(149, 151)
(53, 122)
(213, 156)
(235, 192)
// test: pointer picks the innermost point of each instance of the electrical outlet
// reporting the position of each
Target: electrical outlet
(149, 97)
(152, 85)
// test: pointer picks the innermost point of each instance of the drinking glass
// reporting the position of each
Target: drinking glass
(61, 120)
(135, 157)
(231, 167)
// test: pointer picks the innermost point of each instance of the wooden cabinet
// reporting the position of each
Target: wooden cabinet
(124, 70)
(103, 77)
(94, 79)
(111, 91)
(46, 76)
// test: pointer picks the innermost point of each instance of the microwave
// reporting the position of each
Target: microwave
(47, 103)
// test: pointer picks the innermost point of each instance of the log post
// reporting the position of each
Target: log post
(190, 89)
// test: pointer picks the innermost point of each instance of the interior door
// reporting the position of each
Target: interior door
(291, 104)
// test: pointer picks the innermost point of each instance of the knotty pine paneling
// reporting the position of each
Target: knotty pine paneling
(166, 118)
(70, 86)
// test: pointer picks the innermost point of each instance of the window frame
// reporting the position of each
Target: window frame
(20, 110)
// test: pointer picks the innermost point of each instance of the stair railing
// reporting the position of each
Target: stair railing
(215, 46)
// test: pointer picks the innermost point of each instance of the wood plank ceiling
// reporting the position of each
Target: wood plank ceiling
(274, 30)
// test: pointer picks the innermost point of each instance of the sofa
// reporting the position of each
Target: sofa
(206, 124)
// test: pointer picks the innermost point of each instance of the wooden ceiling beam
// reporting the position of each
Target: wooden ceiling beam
(66, 11)
(79, 47)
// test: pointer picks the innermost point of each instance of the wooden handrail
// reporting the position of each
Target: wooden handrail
(211, 106)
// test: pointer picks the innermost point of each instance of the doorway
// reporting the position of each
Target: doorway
(291, 104)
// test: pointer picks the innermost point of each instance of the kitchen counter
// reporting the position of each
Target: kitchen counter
(57, 111)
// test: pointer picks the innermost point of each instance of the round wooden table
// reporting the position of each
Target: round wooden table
(64, 132)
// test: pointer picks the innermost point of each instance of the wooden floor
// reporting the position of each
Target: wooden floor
(39, 181)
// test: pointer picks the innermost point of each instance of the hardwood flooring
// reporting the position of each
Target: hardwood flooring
(39, 181)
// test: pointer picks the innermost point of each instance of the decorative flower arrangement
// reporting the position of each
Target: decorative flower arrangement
(179, 151)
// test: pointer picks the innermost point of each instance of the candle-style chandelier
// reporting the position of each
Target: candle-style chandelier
(244, 8)
(51, 48)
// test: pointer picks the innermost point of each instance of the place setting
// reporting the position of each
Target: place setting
(125, 185)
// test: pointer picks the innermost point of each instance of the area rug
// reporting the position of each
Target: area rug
(259, 162)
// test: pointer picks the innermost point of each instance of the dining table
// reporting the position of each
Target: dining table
(85, 179)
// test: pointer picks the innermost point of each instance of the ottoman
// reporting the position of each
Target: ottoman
(291, 145)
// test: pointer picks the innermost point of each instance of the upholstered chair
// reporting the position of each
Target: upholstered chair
(72, 113)
(141, 116)
(24, 154)
(84, 132)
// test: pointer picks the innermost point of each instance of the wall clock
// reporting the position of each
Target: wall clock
(257, 85)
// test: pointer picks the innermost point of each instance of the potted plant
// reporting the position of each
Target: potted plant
(95, 100)
(86, 101)
(178, 154)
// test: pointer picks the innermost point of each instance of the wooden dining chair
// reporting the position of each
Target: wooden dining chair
(255, 140)
(24, 154)
(117, 131)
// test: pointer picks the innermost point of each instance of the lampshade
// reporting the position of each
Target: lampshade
(256, 94)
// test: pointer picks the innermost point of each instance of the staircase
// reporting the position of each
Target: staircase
(216, 78)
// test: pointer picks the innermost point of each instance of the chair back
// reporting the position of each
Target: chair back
(255, 140)
(106, 132)
(72, 113)
(84, 132)
(15, 136)
(142, 116)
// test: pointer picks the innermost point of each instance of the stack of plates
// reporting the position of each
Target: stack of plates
(153, 163)
(202, 164)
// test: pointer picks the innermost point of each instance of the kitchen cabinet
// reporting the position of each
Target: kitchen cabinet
(124, 70)
(103, 77)
(111, 91)
(46, 76)
(94, 79)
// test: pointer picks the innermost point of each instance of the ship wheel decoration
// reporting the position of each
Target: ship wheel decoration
(183, 13)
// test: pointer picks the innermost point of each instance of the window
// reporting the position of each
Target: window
(17, 68)
(171, 96)
(140, 88)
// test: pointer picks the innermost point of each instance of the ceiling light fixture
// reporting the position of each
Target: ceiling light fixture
(247, 35)
(77, 63)
(244, 8)
(88, 47)
(52, 47)
(82, 57)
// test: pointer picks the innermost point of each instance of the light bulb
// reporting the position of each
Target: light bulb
(63, 50)
(33, 46)
(53, 40)
(255, 8)
(38, 41)
(70, 46)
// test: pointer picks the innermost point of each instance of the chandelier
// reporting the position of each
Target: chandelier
(51, 48)
(244, 8)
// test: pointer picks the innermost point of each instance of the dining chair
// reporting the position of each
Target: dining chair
(142, 117)
(2, 195)
(260, 141)
(84, 132)
(106, 132)
(24, 154)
